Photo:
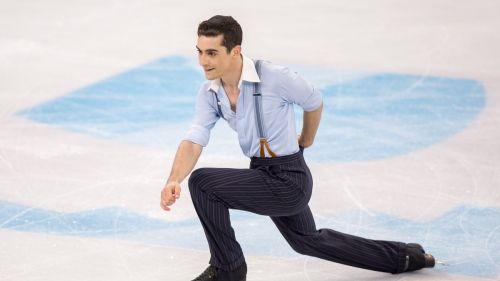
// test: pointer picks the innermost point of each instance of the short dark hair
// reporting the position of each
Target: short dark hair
(230, 29)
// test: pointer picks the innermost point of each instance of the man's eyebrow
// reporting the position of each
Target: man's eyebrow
(208, 50)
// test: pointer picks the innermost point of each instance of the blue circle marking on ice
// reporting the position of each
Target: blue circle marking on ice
(384, 115)
(372, 117)
(466, 237)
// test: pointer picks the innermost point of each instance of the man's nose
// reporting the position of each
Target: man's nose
(202, 60)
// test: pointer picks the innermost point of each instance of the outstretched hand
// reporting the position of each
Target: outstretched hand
(170, 193)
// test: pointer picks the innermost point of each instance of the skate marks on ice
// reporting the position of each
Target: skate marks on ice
(366, 116)
(466, 237)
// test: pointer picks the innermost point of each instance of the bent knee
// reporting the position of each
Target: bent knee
(197, 177)
(302, 245)
(300, 249)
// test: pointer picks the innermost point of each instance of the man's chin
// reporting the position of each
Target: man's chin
(210, 76)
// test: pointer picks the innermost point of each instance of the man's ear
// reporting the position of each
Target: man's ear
(236, 51)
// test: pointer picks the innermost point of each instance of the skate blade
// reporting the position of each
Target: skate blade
(442, 263)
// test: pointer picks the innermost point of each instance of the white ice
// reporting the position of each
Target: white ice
(49, 48)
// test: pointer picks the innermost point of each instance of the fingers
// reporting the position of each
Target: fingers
(169, 194)
(164, 202)
(177, 192)
(164, 207)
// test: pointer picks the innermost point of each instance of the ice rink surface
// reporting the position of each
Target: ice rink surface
(95, 96)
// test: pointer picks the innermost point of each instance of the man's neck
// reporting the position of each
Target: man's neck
(232, 78)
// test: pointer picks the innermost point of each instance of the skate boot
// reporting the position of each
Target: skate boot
(416, 258)
(213, 273)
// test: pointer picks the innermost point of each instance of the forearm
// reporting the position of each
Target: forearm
(310, 126)
(185, 159)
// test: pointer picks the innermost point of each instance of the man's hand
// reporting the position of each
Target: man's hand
(185, 159)
(170, 193)
(302, 143)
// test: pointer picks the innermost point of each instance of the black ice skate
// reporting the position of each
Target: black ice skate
(416, 258)
(213, 273)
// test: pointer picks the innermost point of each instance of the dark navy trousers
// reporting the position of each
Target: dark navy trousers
(279, 187)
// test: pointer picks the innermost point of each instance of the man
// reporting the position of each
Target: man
(256, 99)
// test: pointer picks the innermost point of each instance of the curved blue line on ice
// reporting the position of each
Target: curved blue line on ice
(370, 116)
(467, 237)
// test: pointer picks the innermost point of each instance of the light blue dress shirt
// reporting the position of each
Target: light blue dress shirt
(280, 89)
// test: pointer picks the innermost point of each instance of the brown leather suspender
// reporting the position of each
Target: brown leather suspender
(264, 145)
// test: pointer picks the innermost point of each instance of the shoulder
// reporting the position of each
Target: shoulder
(204, 95)
(270, 68)
(204, 90)
(278, 76)
(272, 73)
(205, 86)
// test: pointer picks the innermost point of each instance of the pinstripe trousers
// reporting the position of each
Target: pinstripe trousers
(279, 187)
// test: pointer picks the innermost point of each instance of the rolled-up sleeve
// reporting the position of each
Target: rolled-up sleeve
(205, 118)
(297, 90)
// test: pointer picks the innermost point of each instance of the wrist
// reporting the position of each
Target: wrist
(173, 179)
(304, 143)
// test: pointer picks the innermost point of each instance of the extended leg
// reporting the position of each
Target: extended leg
(300, 232)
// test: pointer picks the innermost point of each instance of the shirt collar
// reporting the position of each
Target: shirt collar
(248, 73)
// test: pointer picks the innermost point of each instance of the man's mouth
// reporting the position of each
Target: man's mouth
(209, 69)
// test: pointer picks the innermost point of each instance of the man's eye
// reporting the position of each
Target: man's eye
(212, 54)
